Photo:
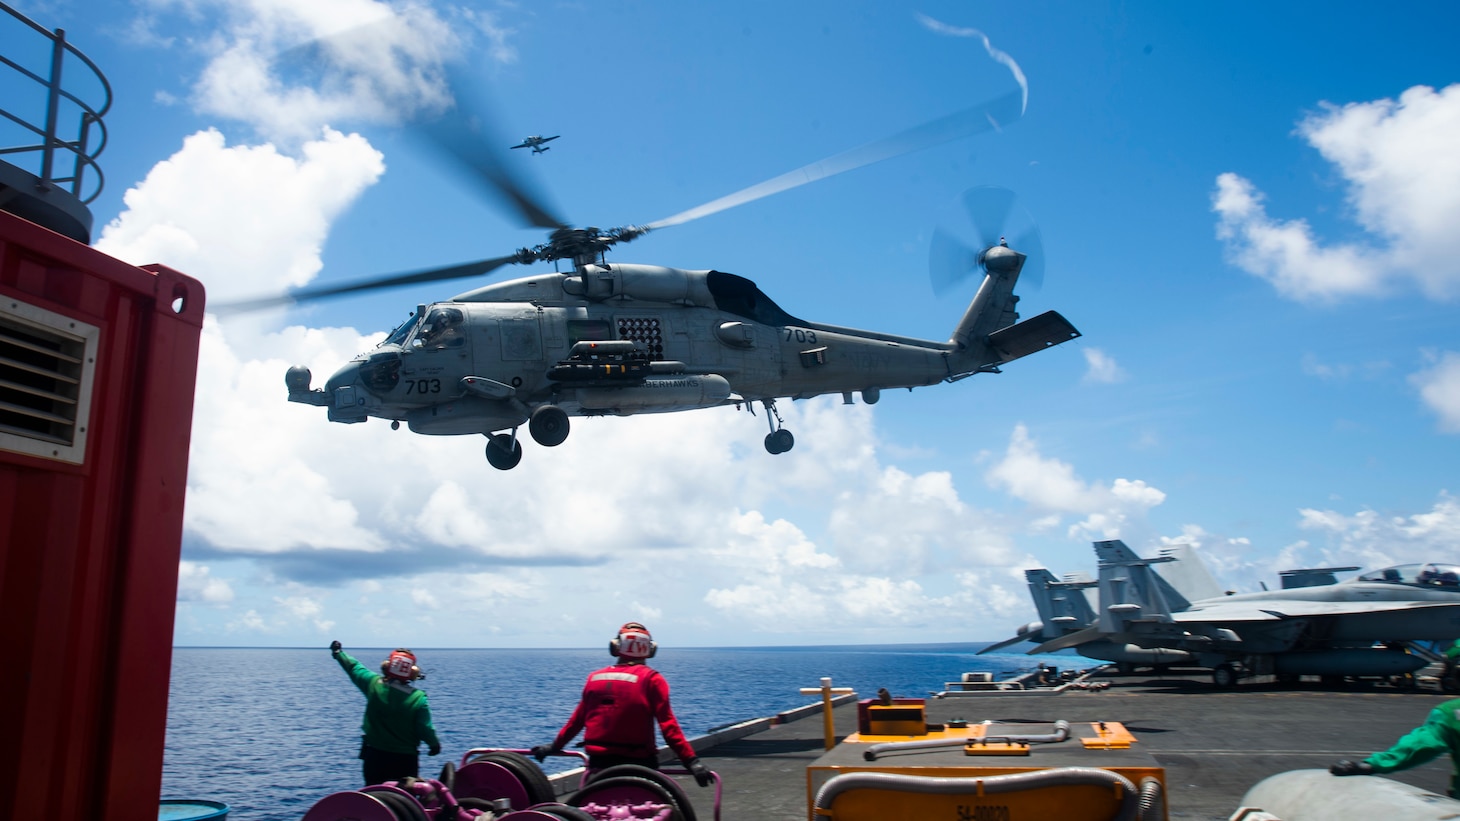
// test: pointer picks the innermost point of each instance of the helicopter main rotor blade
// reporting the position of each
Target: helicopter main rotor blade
(464, 139)
(988, 116)
(469, 269)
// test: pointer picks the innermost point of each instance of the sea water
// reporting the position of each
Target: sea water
(270, 731)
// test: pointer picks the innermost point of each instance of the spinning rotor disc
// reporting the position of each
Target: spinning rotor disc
(981, 218)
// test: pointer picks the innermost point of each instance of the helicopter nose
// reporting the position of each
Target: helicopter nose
(346, 376)
(347, 400)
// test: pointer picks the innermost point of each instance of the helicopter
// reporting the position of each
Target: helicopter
(615, 339)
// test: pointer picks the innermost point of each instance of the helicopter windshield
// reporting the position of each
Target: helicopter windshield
(398, 336)
(738, 295)
(442, 328)
(1430, 574)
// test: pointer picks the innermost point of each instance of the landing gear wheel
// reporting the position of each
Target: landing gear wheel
(779, 441)
(503, 453)
(1125, 668)
(1224, 676)
(548, 425)
(1450, 684)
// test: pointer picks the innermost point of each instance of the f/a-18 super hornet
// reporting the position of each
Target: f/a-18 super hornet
(1064, 606)
(1365, 626)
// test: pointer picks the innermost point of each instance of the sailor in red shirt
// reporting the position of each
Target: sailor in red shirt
(619, 708)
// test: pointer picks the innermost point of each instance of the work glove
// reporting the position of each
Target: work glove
(1346, 767)
(434, 749)
(542, 751)
(335, 648)
(702, 774)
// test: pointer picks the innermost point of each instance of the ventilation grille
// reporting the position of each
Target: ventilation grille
(46, 366)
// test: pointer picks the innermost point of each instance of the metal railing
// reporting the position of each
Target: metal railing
(56, 159)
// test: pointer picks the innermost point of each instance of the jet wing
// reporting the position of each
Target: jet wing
(1069, 640)
(1000, 645)
(1276, 609)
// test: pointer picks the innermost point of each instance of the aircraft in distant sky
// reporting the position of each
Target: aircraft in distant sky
(1366, 626)
(536, 143)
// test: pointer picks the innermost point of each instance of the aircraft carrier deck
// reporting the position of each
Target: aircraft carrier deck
(1214, 744)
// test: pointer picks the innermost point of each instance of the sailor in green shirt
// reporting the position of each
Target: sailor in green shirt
(1439, 734)
(1450, 678)
(397, 717)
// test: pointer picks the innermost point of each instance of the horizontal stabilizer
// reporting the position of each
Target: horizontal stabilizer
(1031, 336)
(1069, 640)
(1001, 645)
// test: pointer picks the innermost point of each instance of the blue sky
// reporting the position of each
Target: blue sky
(1248, 213)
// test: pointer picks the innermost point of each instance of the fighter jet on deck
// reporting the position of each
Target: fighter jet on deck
(536, 143)
(1360, 627)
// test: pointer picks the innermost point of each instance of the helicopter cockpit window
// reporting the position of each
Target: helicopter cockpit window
(738, 295)
(442, 328)
(1431, 574)
(398, 336)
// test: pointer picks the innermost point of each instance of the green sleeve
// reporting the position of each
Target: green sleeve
(1423, 743)
(424, 729)
(358, 673)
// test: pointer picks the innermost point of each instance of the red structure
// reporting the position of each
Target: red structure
(98, 361)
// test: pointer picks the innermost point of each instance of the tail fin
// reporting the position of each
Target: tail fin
(990, 334)
(1188, 573)
(1130, 590)
(1062, 605)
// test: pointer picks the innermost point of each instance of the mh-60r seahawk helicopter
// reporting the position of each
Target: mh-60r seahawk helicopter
(619, 339)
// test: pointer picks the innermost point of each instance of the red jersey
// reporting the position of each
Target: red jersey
(619, 708)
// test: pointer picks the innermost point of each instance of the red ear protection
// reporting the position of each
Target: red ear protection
(401, 665)
(633, 642)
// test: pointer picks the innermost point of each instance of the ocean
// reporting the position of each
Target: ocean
(270, 731)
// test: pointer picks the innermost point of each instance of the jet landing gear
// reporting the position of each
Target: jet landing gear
(779, 440)
(1226, 674)
(503, 450)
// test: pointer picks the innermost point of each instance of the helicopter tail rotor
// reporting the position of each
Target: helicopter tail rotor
(982, 219)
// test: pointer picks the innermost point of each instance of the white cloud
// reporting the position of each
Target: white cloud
(1439, 388)
(1402, 177)
(1101, 368)
(243, 219)
(1372, 539)
(1051, 485)
(194, 584)
(287, 69)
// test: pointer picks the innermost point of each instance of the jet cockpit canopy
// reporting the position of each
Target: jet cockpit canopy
(1429, 574)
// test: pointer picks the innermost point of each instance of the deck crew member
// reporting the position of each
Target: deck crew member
(1439, 734)
(397, 716)
(620, 705)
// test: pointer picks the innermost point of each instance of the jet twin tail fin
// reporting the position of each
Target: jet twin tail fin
(1130, 590)
(1063, 606)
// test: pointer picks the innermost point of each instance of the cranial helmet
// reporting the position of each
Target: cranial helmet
(633, 642)
(401, 665)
